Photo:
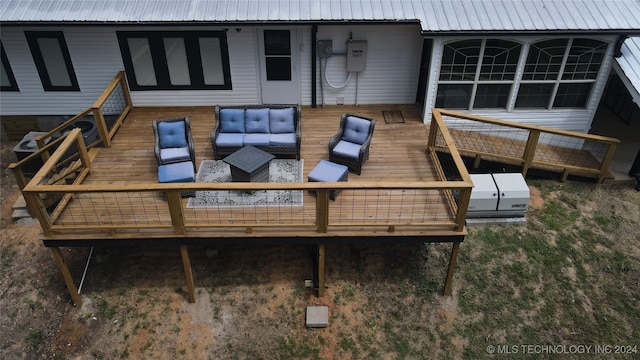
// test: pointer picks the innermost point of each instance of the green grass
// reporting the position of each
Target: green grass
(549, 281)
(105, 311)
(290, 348)
(35, 338)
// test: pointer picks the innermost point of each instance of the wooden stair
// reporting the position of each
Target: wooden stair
(68, 175)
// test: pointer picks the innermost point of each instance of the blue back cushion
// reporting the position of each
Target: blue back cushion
(232, 120)
(256, 121)
(281, 121)
(356, 130)
(172, 134)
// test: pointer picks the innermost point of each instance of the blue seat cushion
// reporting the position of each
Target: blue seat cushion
(175, 154)
(229, 139)
(256, 121)
(327, 171)
(256, 139)
(178, 172)
(172, 134)
(282, 139)
(356, 130)
(347, 149)
(232, 120)
(281, 121)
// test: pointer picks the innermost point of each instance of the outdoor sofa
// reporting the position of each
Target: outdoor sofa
(272, 128)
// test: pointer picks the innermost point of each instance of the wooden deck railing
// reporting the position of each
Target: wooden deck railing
(529, 146)
(134, 209)
(108, 112)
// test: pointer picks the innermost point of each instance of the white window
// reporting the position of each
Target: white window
(560, 73)
(482, 73)
(477, 73)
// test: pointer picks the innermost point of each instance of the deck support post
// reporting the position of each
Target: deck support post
(530, 150)
(66, 274)
(452, 265)
(318, 252)
(186, 263)
(322, 222)
(476, 161)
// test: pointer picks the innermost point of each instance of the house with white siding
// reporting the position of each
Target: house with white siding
(543, 62)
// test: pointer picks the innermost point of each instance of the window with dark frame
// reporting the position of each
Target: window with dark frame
(176, 60)
(52, 59)
(277, 51)
(7, 80)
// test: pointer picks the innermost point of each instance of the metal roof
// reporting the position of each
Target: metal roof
(433, 15)
(628, 66)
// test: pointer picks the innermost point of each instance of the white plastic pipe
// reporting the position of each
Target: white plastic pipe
(326, 77)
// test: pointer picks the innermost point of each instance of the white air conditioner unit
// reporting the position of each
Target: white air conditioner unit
(498, 195)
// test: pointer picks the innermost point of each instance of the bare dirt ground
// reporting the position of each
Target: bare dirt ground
(384, 302)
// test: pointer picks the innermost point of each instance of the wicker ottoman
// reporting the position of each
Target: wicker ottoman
(326, 171)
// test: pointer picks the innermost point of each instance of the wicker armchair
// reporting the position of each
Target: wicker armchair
(173, 141)
(350, 145)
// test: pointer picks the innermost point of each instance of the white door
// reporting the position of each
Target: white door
(279, 66)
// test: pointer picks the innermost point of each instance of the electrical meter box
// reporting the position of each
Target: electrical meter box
(356, 55)
(498, 195)
(325, 48)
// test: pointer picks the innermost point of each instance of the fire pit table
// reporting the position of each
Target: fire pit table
(249, 164)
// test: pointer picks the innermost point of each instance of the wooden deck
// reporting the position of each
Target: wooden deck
(398, 153)
(398, 150)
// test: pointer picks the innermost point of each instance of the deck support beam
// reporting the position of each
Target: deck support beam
(452, 266)
(188, 273)
(66, 274)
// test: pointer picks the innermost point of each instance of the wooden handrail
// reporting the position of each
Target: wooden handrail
(527, 158)
(247, 186)
(462, 169)
(105, 94)
(40, 139)
(527, 126)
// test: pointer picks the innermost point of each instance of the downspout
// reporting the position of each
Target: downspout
(314, 59)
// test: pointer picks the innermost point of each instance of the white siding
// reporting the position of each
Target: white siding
(96, 59)
(567, 119)
(393, 64)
